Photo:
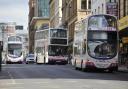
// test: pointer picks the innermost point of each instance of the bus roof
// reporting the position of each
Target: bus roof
(102, 14)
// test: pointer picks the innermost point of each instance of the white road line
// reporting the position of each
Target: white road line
(3, 64)
(71, 81)
(2, 77)
(12, 79)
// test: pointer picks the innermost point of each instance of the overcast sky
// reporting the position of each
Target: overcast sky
(14, 11)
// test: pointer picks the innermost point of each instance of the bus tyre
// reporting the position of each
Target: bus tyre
(74, 63)
(81, 65)
(44, 60)
(84, 70)
(76, 68)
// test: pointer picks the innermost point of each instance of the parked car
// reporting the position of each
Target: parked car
(30, 58)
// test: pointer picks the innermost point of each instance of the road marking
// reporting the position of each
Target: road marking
(1, 77)
(41, 82)
(3, 64)
(6, 84)
(12, 79)
(71, 81)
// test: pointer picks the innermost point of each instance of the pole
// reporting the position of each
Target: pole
(0, 57)
(1, 49)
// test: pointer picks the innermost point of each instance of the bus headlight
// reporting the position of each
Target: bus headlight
(90, 64)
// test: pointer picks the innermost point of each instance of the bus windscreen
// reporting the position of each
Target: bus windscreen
(57, 50)
(14, 50)
(102, 43)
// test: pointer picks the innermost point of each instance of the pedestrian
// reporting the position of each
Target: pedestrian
(69, 58)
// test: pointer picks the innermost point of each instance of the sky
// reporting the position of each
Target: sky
(14, 11)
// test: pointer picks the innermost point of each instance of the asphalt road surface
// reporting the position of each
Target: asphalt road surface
(32, 76)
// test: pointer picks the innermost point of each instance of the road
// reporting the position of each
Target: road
(32, 76)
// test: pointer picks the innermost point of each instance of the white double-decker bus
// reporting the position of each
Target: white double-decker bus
(96, 43)
(51, 45)
(14, 50)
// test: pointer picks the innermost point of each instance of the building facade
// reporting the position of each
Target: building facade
(104, 7)
(72, 11)
(6, 30)
(123, 31)
(38, 18)
(55, 13)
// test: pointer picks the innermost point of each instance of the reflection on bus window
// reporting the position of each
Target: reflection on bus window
(14, 38)
(102, 47)
(55, 50)
(58, 33)
(14, 50)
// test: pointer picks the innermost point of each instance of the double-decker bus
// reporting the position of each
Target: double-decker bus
(14, 52)
(96, 43)
(51, 45)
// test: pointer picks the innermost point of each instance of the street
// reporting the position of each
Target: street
(32, 76)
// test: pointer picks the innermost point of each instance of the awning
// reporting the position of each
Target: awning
(123, 23)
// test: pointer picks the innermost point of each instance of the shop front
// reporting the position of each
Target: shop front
(123, 37)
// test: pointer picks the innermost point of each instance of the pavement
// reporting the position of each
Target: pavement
(123, 69)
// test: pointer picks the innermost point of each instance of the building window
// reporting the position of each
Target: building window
(124, 7)
(98, 10)
(89, 4)
(112, 0)
(43, 8)
(95, 11)
(102, 8)
(119, 10)
(83, 4)
(127, 7)
(92, 13)
(33, 3)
